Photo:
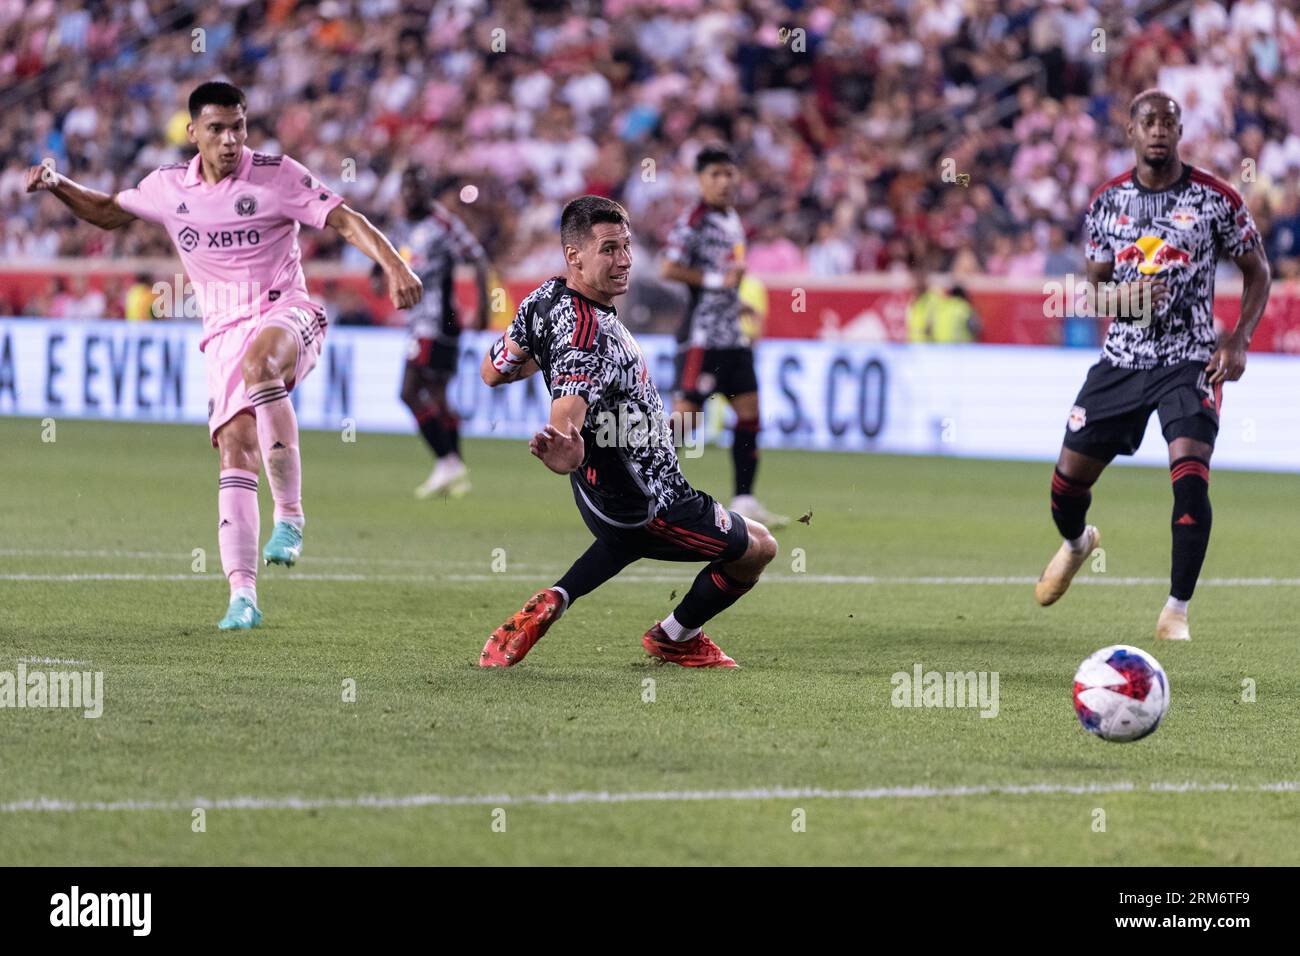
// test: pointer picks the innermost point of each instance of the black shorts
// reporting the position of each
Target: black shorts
(697, 528)
(703, 372)
(433, 355)
(1111, 413)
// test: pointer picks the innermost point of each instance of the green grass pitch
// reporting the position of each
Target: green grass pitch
(536, 764)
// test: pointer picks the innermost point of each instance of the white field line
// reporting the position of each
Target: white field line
(49, 660)
(187, 556)
(641, 578)
(586, 797)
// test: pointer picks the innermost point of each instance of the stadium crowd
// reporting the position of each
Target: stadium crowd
(843, 113)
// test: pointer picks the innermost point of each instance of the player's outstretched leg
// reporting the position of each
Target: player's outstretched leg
(237, 521)
(681, 639)
(1072, 484)
(424, 392)
(516, 637)
(273, 355)
(1189, 471)
(744, 462)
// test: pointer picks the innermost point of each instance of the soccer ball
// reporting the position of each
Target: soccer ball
(1121, 693)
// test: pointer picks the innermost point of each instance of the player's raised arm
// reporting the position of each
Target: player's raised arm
(559, 445)
(1229, 361)
(90, 205)
(404, 286)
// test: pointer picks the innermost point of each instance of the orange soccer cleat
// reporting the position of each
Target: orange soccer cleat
(511, 641)
(699, 651)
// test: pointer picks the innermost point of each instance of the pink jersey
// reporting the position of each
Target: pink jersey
(238, 240)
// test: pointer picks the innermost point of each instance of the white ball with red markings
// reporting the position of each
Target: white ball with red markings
(1121, 693)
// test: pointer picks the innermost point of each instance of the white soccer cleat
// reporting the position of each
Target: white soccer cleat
(449, 477)
(1065, 564)
(1172, 626)
(752, 508)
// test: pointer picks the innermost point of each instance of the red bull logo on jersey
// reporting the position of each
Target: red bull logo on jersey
(1184, 218)
(1153, 255)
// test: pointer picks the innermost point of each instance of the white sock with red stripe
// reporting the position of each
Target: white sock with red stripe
(677, 631)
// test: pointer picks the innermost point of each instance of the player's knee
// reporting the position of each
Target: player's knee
(763, 546)
(237, 444)
(260, 368)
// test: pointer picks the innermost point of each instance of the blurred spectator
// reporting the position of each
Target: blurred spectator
(841, 143)
(139, 299)
(1062, 258)
(84, 302)
(940, 316)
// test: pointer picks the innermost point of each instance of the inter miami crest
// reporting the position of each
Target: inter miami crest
(245, 205)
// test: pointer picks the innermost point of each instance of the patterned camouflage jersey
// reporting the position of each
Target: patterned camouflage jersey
(432, 247)
(1176, 235)
(630, 471)
(711, 241)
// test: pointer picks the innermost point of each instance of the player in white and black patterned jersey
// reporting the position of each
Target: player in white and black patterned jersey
(1157, 230)
(433, 241)
(609, 433)
(706, 250)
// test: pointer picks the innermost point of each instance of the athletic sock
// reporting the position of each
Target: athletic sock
(712, 592)
(1190, 523)
(451, 425)
(1070, 501)
(435, 433)
(744, 454)
(1176, 605)
(237, 527)
(277, 436)
(676, 631)
(597, 565)
(564, 596)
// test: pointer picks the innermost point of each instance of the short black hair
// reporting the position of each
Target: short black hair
(584, 212)
(216, 93)
(710, 154)
(1152, 94)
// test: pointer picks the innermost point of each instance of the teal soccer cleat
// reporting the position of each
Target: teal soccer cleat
(242, 615)
(285, 546)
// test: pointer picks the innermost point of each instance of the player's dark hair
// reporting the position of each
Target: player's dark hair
(1153, 94)
(713, 153)
(216, 93)
(586, 211)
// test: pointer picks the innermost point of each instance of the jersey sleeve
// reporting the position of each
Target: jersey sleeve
(144, 201)
(302, 196)
(680, 247)
(583, 372)
(1095, 246)
(1235, 232)
(518, 331)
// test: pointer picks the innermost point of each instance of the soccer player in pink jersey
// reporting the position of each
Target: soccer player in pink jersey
(234, 216)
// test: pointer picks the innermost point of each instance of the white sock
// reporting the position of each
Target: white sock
(564, 596)
(1176, 605)
(1079, 543)
(676, 631)
(250, 593)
